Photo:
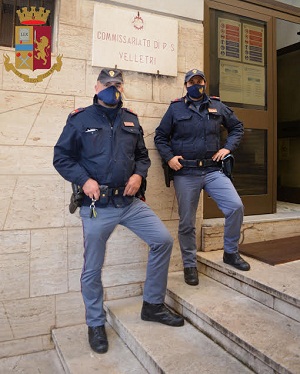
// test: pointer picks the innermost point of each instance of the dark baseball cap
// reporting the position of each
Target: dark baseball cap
(190, 74)
(110, 75)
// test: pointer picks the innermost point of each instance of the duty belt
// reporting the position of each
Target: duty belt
(108, 191)
(206, 162)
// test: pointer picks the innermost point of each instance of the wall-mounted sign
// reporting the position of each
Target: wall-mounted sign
(133, 40)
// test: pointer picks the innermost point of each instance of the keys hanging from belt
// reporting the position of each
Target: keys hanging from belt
(93, 212)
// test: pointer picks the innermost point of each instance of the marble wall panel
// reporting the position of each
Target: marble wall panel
(11, 101)
(69, 309)
(48, 262)
(75, 248)
(74, 280)
(6, 332)
(77, 13)
(16, 124)
(70, 80)
(149, 125)
(30, 317)
(75, 42)
(124, 247)
(50, 120)
(24, 346)
(145, 109)
(191, 53)
(14, 242)
(123, 274)
(166, 89)
(14, 270)
(37, 202)
(22, 160)
(7, 186)
(137, 86)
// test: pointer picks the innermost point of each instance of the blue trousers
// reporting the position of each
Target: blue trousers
(222, 191)
(140, 219)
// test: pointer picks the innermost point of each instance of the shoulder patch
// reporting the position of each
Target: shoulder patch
(76, 111)
(176, 100)
(215, 98)
(130, 111)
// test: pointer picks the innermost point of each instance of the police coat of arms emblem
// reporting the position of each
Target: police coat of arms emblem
(32, 45)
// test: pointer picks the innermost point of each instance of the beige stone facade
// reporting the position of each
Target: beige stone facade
(41, 250)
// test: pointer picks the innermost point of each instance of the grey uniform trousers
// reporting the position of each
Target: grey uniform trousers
(221, 190)
(140, 219)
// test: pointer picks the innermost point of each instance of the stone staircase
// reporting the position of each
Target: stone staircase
(236, 322)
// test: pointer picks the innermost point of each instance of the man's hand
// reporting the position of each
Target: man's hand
(174, 163)
(220, 154)
(91, 189)
(133, 185)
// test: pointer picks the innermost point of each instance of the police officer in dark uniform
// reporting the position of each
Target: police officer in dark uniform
(188, 139)
(102, 150)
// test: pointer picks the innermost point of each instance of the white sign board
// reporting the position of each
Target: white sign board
(133, 40)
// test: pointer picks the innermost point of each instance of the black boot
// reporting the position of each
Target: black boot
(191, 276)
(234, 259)
(160, 313)
(98, 339)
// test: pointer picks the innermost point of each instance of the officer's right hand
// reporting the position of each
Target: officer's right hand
(174, 163)
(91, 189)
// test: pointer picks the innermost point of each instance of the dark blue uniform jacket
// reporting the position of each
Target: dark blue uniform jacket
(195, 135)
(90, 147)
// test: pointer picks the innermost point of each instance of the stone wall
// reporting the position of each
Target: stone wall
(41, 242)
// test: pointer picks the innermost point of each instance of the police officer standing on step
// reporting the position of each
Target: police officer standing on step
(188, 139)
(102, 150)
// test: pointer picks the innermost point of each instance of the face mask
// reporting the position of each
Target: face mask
(196, 91)
(110, 96)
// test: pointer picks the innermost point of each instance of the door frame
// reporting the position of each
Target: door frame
(254, 204)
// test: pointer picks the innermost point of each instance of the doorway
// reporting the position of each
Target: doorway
(265, 168)
(288, 109)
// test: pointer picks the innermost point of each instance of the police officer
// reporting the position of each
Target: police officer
(188, 139)
(102, 149)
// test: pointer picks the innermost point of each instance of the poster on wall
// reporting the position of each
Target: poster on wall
(132, 40)
(253, 44)
(242, 83)
(229, 40)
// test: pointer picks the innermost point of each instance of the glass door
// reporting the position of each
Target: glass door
(240, 68)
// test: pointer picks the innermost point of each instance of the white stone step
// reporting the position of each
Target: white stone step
(77, 357)
(277, 287)
(262, 338)
(169, 350)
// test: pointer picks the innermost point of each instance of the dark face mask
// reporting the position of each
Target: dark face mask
(110, 95)
(196, 91)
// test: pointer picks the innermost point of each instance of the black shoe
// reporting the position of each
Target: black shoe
(160, 313)
(98, 339)
(191, 276)
(234, 259)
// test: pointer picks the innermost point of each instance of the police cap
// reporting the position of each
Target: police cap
(190, 74)
(110, 76)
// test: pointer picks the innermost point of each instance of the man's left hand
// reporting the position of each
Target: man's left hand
(220, 154)
(133, 185)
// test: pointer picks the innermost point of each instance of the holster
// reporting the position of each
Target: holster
(227, 165)
(76, 199)
(141, 194)
(168, 173)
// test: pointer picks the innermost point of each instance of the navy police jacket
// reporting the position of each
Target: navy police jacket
(196, 134)
(91, 147)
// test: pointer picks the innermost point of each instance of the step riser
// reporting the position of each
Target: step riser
(254, 359)
(265, 296)
(251, 232)
(144, 358)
